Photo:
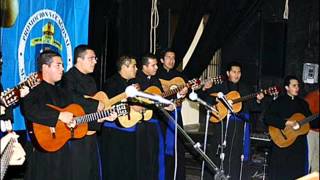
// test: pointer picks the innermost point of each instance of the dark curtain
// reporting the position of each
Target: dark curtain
(190, 16)
(118, 27)
(226, 17)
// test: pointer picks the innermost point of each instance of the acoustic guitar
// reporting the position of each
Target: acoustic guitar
(12, 96)
(237, 100)
(126, 121)
(53, 138)
(175, 85)
(285, 137)
(179, 82)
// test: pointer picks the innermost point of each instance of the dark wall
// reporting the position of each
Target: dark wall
(303, 37)
(272, 47)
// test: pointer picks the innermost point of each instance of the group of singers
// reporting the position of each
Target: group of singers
(146, 150)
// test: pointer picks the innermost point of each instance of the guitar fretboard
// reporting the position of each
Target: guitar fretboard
(250, 96)
(121, 110)
(308, 119)
(245, 98)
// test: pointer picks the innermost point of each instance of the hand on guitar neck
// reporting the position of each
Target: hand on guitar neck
(182, 93)
(235, 100)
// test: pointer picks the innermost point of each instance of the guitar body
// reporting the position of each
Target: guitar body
(127, 120)
(103, 97)
(285, 137)
(53, 141)
(172, 83)
(223, 111)
(153, 90)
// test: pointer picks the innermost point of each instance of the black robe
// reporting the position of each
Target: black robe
(235, 131)
(85, 154)
(118, 145)
(46, 165)
(148, 139)
(291, 162)
(162, 73)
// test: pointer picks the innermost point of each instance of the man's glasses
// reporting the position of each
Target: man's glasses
(93, 58)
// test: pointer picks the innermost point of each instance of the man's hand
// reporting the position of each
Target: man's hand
(100, 106)
(67, 117)
(183, 93)
(2, 110)
(24, 91)
(169, 108)
(207, 85)
(292, 124)
(259, 97)
(112, 117)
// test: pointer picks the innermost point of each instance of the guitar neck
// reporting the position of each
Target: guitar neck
(250, 96)
(245, 98)
(308, 119)
(100, 114)
(215, 80)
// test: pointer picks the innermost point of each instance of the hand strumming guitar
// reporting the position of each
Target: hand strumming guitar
(67, 117)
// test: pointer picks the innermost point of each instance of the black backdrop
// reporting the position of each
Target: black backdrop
(250, 31)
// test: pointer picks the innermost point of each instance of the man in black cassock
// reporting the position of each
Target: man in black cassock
(150, 148)
(118, 144)
(236, 127)
(167, 72)
(289, 162)
(85, 154)
(48, 165)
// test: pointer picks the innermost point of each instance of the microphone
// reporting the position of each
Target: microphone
(133, 92)
(194, 97)
(225, 101)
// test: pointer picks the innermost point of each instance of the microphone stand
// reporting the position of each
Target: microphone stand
(205, 140)
(197, 146)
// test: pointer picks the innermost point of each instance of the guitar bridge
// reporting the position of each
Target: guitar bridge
(53, 132)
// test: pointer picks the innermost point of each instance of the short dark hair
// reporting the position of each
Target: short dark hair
(145, 58)
(123, 60)
(79, 51)
(46, 58)
(233, 63)
(287, 79)
(164, 52)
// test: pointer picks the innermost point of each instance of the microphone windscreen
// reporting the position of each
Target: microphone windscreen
(193, 96)
(131, 91)
(220, 95)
